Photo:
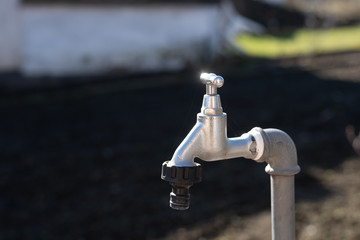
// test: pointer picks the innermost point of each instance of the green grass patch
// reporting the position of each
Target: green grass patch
(300, 42)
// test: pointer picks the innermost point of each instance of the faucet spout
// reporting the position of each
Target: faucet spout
(189, 148)
(208, 141)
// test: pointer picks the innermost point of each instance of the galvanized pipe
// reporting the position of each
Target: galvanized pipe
(280, 154)
(282, 207)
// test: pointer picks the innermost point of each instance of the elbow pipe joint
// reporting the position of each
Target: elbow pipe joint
(279, 152)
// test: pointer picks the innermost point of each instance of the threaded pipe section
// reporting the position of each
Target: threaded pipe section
(180, 198)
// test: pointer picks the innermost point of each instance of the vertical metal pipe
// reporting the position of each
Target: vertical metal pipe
(282, 207)
(280, 154)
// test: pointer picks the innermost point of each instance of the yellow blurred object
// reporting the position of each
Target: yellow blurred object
(300, 42)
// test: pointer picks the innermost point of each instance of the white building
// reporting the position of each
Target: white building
(72, 39)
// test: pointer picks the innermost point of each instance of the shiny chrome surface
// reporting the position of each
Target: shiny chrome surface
(208, 139)
(212, 81)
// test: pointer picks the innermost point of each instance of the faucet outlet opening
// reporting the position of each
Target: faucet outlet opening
(180, 197)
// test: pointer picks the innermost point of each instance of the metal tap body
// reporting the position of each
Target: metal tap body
(208, 141)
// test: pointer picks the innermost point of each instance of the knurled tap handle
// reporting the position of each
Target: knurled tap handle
(212, 81)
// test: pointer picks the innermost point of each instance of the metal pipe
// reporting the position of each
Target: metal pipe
(280, 154)
(282, 207)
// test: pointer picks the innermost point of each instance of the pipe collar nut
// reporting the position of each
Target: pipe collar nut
(181, 175)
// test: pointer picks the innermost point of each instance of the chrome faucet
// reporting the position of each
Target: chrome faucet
(208, 141)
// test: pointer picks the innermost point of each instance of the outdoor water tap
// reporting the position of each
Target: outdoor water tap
(208, 141)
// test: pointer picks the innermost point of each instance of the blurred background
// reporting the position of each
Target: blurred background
(96, 95)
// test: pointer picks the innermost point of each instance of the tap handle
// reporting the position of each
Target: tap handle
(212, 81)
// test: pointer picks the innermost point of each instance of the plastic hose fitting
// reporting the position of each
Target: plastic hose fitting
(181, 179)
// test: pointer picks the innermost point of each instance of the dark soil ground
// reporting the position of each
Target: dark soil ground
(83, 161)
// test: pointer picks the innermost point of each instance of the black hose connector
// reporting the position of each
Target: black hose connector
(181, 179)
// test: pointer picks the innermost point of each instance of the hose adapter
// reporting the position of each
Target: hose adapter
(181, 179)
